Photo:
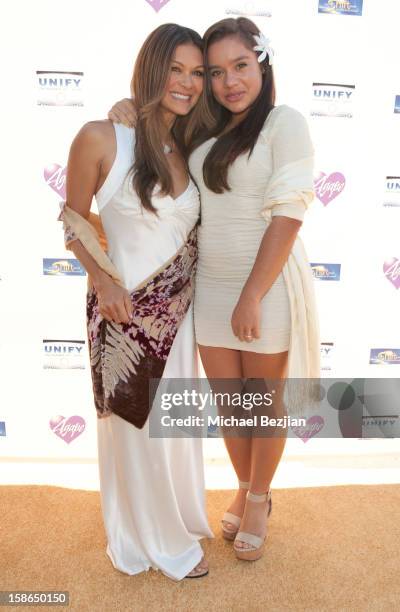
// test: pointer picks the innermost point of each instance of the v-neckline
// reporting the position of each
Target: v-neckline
(183, 192)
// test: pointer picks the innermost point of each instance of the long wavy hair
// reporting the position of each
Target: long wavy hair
(242, 138)
(149, 81)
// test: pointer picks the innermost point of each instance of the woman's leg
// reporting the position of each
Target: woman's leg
(220, 363)
(266, 452)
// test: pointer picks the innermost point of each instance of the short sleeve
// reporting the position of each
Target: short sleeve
(291, 186)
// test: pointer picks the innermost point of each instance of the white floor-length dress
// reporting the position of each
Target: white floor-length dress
(152, 489)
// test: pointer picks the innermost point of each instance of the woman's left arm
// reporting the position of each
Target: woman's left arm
(272, 255)
(288, 195)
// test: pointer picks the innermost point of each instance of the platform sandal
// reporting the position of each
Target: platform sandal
(231, 519)
(256, 543)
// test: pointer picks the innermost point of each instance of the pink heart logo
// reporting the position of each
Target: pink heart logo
(312, 427)
(391, 268)
(67, 428)
(157, 5)
(56, 176)
(327, 188)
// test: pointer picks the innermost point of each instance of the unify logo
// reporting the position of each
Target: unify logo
(391, 269)
(55, 88)
(67, 428)
(333, 92)
(328, 187)
(64, 346)
(393, 192)
(59, 82)
(55, 177)
(326, 349)
(157, 5)
(56, 79)
(332, 100)
(312, 427)
(60, 354)
(393, 184)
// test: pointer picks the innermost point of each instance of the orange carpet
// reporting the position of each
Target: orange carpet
(329, 549)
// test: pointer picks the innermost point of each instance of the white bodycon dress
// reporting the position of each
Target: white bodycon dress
(277, 179)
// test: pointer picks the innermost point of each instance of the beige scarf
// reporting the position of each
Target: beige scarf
(91, 234)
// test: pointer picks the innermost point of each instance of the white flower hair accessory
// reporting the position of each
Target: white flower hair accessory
(263, 45)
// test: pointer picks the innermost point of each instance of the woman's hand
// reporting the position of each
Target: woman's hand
(124, 112)
(114, 301)
(246, 318)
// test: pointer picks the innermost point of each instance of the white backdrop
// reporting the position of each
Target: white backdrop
(357, 229)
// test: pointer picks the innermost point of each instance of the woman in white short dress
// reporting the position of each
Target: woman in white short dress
(152, 489)
(255, 315)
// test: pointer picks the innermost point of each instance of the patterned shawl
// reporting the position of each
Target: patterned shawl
(124, 357)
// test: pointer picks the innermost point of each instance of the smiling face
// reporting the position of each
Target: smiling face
(235, 74)
(185, 82)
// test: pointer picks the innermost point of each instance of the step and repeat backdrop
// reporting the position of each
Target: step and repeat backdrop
(66, 63)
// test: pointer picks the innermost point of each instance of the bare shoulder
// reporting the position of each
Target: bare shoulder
(94, 143)
(95, 133)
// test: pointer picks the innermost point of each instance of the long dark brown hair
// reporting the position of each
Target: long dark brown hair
(243, 137)
(150, 77)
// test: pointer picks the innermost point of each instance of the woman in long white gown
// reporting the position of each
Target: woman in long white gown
(152, 489)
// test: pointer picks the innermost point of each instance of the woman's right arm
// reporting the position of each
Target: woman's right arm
(124, 112)
(84, 173)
